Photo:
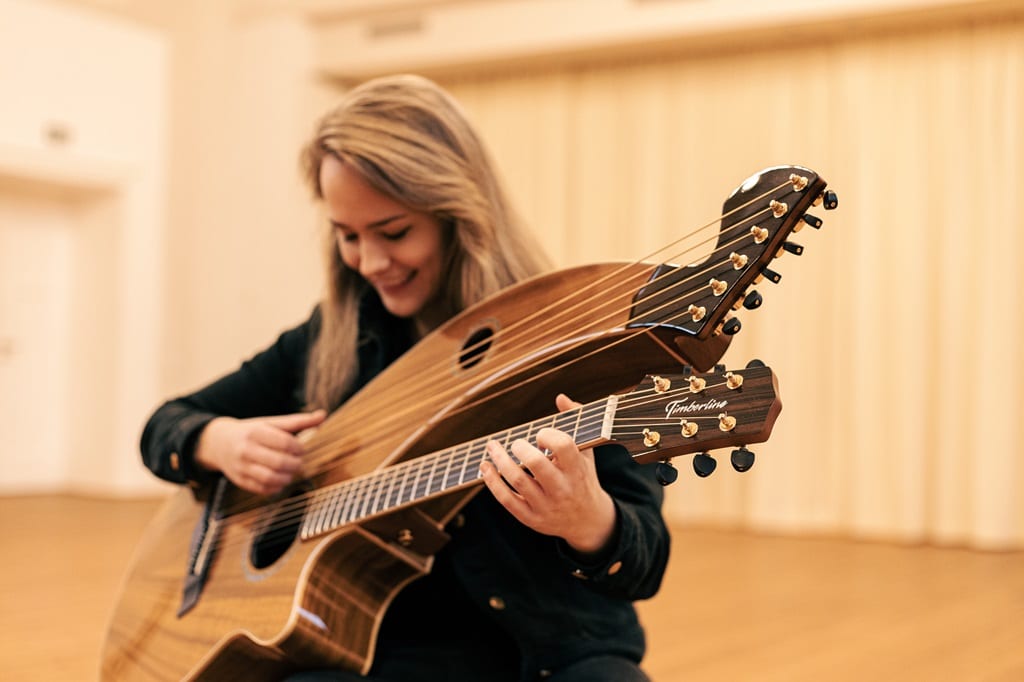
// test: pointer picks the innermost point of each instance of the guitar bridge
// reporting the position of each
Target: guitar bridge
(203, 548)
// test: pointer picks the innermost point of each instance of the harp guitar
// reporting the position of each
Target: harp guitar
(226, 583)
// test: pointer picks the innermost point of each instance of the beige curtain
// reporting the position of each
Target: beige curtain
(896, 335)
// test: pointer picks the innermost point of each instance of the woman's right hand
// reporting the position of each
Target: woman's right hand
(261, 455)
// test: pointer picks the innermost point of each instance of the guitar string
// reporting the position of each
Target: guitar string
(242, 507)
(363, 489)
(315, 456)
(598, 350)
(553, 311)
(357, 494)
(459, 389)
(690, 278)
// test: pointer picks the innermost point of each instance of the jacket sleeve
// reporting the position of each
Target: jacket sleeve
(271, 382)
(633, 564)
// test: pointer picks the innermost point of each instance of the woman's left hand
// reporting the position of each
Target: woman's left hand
(556, 494)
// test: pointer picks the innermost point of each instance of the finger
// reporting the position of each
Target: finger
(298, 421)
(564, 402)
(537, 462)
(275, 438)
(263, 481)
(510, 470)
(560, 444)
(274, 460)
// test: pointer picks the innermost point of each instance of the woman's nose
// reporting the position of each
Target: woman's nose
(373, 257)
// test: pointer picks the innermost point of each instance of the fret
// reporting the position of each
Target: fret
(336, 499)
(388, 504)
(465, 461)
(310, 522)
(594, 415)
(323, 499)
(436, 484)
(521, 432)
(478, 454)
(448, 467)
(364, 498)
(375, 489)
(427, 468)
(413, 493)
(350, 500)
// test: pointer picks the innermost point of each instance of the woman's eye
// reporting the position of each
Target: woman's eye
(395, 236)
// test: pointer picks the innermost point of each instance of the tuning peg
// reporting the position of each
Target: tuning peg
(719, 368)
(704, 465)
(793, 248)
(731, 326)
(752, 300)
(754, 363)
(813, 221)
(771, 275)
(742, 459)
(831, 200)
(666, 473)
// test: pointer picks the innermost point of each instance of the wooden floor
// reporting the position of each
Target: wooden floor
(733, 606)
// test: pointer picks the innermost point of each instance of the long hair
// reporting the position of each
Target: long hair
(411, 141)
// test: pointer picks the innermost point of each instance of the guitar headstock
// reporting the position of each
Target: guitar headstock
(757, 219)
(671, 415)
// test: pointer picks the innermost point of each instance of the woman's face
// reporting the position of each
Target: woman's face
(400, 252)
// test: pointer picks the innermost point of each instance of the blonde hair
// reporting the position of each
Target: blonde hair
(412, 142)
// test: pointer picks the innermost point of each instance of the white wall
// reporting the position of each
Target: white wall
(82, 133)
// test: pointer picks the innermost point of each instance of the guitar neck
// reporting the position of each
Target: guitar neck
(431, 475)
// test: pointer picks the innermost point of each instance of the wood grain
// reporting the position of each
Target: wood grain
(734, 606)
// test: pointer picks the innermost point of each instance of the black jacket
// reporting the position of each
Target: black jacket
(496, 576)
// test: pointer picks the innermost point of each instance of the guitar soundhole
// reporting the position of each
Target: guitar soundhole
(277, 533)
(476, 347)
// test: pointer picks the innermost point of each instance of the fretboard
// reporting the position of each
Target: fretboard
(430, 475)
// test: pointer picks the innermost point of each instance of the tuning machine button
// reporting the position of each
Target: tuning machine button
(755, 363)
(771, 275)
(752, 300)
(666, 473)
(704, 465)
(793, 248)
(813, 220)
(731, 326)
(831, 201)
(742, 459)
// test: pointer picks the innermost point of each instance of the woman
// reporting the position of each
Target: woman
(539, 577)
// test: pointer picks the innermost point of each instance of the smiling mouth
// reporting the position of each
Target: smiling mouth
(397, 284)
